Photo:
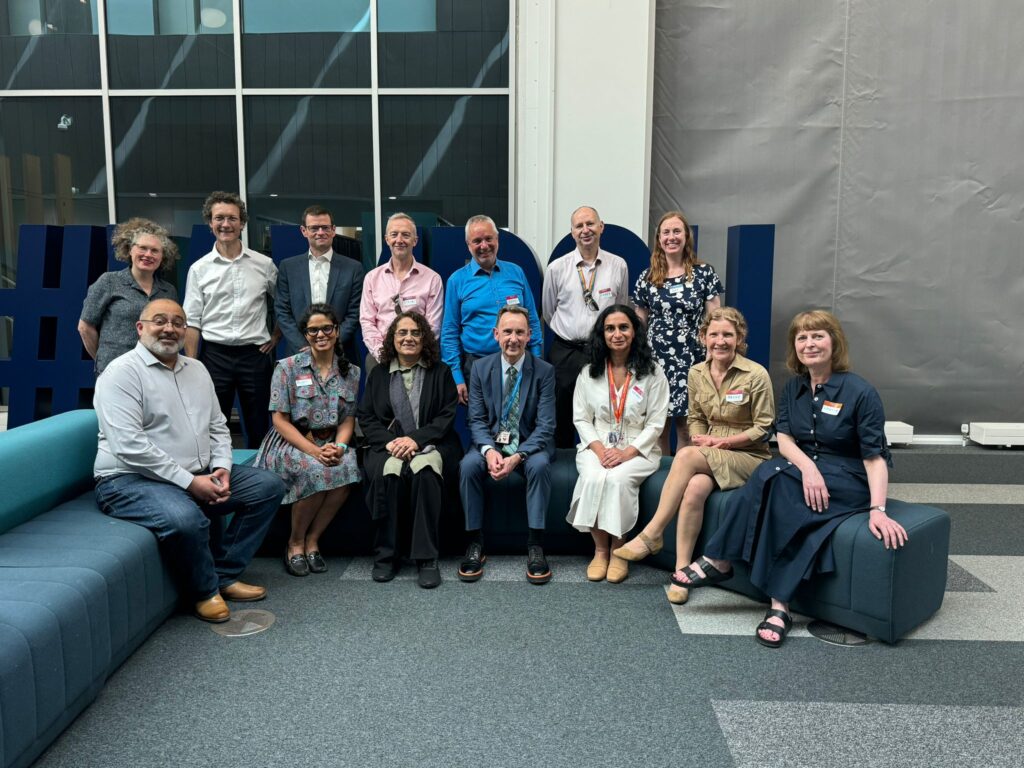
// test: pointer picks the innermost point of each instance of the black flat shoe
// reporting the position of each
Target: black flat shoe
(296, 565)
(537, 569)
(430, 575)
(384, 571)
(316, 562)
(472, 567)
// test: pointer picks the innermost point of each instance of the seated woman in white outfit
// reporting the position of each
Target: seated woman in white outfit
(619, 409)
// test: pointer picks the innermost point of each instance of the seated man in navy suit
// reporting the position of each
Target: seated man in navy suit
(512, 422)
(318, 276)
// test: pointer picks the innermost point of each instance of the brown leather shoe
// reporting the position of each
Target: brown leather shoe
(213, 609)
(618, 569)
(240, 592)
(598, 568)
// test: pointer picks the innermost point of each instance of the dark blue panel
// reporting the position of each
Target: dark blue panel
(618, 240)
(748, 283)
(201, 244)
(287, 240)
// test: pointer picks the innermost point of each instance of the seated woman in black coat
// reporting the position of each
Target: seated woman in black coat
(407, 416)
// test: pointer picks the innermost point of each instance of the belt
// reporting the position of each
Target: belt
(580, 346)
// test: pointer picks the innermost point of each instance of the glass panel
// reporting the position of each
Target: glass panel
(6, 338)
(446, 155)
(47, 44)
(52, 169)
(443, 43)
(306, 44)
(170, 153)
(305, 150)
(170, 44)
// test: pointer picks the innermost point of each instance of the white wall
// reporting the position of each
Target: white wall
(584, 98)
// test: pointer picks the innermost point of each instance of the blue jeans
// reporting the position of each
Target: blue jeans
(202, 562)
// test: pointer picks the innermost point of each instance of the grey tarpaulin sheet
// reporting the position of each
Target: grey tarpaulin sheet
(885, 140)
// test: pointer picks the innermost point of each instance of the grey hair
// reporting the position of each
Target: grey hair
(587, 207)
(399, 215)
(129, 232)
(479, 219)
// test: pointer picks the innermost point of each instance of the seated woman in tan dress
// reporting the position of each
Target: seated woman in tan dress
(731, 413)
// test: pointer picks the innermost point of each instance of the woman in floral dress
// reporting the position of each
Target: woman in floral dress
(313, 399)
(671, 296)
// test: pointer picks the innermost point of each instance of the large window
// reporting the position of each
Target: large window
(279, 101)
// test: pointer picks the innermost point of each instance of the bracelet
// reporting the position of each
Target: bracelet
(343, 446)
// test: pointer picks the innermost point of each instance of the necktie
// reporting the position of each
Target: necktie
(512, 421)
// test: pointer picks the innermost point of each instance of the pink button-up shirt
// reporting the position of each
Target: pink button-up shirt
(420, 291)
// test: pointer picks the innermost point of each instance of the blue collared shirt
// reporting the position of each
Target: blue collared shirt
(472, 299)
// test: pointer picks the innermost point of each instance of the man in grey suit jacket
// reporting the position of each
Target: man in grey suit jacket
(512, 423)
(320, 275)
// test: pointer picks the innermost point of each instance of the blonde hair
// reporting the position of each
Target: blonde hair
(732, 315)
(128, 233)
(818, 320)
(659, 262)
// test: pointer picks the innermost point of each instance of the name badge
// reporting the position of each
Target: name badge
(677, 288)
(832, 409)
(409, 303)
(604, 291)
(734, 396)
(303, 381)
(638, 391)
(613, 438)
(503, 437)
(511, 301)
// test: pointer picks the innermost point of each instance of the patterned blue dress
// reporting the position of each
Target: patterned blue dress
(312, 404)
(675, 311)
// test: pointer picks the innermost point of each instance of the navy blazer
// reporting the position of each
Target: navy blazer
(536, 404)
(344, 291)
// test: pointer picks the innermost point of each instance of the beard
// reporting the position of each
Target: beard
(164, 347)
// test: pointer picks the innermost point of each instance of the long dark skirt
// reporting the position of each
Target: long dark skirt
(768, 525)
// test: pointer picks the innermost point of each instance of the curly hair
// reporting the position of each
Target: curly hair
(327, 311)
(128, 233)
(731, 315)
(818, 320)
(230, 198)
(659, 262)
(640, 361)
(430, 352)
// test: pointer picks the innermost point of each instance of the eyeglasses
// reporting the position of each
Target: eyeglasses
(319, 228)
(162, 322)
(414, 332)
(326, 330)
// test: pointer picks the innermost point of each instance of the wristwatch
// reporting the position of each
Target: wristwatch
(879, 507)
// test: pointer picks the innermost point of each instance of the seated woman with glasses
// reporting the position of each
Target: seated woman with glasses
(407, 417)
(313, 400)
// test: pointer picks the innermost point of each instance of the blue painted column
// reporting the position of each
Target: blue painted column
(748, 283)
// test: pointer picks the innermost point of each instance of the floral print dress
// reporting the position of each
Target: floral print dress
(312, 405)
(675, 310)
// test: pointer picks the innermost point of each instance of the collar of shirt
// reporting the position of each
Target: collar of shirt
(304, 359)
(396, 366)
(830, 387)
(320, 259)
(476, 269)
(150, 359)
(581, 262)
(413, 269)
(505, 365)
(218, 256)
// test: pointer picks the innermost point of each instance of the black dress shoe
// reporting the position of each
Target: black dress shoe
(384, 570)
(430, 575)
(537, 570)
(316, 562)
(296, 565)
(472, 566)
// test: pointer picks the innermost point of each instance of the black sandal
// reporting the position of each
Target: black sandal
(711, 575)
(787, 624)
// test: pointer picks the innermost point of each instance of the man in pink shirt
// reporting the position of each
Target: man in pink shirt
(401, 285)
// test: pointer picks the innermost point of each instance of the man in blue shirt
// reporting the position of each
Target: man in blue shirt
(474, 295)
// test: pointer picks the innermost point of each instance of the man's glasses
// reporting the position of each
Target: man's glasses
(326, 330)
(319, 228)
(162, 322)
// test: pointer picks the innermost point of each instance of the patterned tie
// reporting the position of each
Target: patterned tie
(512, 422)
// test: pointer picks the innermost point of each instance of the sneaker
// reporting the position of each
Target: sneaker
(430, 575)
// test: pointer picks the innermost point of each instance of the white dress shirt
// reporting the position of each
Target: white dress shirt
(160, 423)
(319, 274)
(562, 300)
(226, 299)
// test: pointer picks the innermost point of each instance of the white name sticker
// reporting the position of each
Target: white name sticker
(734, 396)
(604, 291)
(303, 381)
(832, 409)
(409, 303)
(638, 391)
(511, 301)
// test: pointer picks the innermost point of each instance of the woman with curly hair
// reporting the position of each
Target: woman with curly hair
(115, 301)
(671, 297)
(407, 417)
(313, 400)
(619, 409)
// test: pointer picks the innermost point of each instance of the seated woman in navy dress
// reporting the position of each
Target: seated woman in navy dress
(313, 399)
(835, 463)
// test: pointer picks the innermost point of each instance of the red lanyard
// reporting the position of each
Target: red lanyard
(617, 409)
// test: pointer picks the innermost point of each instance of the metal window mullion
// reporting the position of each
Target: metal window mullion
(375, 130)
(513, 36)
(108, 137)
(236, 9)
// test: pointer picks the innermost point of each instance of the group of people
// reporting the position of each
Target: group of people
(623, 373)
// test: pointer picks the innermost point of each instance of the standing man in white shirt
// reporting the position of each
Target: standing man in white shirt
(227, 298)
(577, 287)
(400, 285)
(319, 276)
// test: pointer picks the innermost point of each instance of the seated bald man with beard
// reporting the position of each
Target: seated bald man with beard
(164, 462)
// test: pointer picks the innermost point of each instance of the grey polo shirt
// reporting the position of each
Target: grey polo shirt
(159, 423)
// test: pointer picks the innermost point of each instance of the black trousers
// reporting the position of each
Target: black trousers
(414, 505)
(568, 357)
(244, 371)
